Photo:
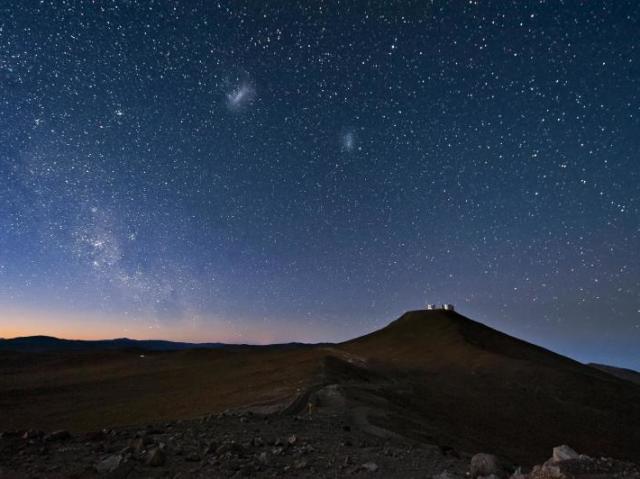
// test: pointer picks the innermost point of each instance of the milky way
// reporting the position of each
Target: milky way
(311, 171)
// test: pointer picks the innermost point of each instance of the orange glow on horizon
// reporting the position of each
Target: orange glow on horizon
(92, 326)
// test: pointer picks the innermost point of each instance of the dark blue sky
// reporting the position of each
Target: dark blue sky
(227, 170)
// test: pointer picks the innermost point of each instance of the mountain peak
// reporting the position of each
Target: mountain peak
(441, 337)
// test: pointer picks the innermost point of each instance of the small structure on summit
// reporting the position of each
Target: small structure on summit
(442, 307)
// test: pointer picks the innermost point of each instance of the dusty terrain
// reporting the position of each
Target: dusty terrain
(226, 446)
(414, 399)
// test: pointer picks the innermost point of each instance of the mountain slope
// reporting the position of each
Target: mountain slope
(622, 373)
(459, 382)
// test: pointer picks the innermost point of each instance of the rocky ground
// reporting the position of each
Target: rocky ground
(566, 463)
(251, 445)
(224, 446)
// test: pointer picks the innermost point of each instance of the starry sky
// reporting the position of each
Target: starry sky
(231, 171)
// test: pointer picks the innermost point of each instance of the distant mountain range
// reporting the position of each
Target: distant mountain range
(41, 344)
(49, 344)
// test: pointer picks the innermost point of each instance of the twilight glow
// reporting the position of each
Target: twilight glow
(225, 171)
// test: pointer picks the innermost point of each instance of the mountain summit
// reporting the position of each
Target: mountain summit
(459, 382)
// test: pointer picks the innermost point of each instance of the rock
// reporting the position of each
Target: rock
(449, 451)
(57, 436)
(257, 442)
(564, 453)
(230, 448)
(192, 456)
(518, 474)
(136, 445)
(32, 435)
(210, 448)
(109, 464)
(485, 465)
(444, 475)
(156, 457)
(581, 468)
(292, 439)
(552, 469)
(95, 436)
(306, 449)
(369, 467)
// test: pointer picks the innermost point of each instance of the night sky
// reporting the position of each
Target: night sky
(203, 171)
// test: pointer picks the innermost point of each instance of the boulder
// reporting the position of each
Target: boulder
(109, 464)
(444, 475)
(32, 435)
(94, 436)
(369, 467)
(57, 436)
(192, 456)
(156, 457)
(564, 453)
(136, 445)
(485, 465)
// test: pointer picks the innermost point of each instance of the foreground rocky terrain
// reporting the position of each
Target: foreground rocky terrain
(418, 398)
(566, 463)
(265, 446)
(244, 445)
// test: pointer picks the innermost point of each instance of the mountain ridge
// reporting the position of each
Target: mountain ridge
(44, 343)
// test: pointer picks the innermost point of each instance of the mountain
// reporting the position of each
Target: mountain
(622, 373)
(432, 377)
(39, 344)
(455, 381)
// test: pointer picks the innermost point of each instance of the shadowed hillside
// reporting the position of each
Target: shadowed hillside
(622, 373)
(91, 390)
(474, 387)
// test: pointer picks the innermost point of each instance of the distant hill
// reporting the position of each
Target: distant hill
(50, 344)
(622, 373)
(40, 344)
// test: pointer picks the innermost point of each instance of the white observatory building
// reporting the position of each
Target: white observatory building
(441, 307)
